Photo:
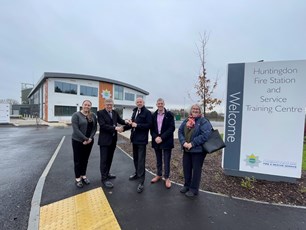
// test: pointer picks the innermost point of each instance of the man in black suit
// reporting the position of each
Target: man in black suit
(139, 125)
(108, 120)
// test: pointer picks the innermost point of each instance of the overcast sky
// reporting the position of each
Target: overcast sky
(149, 44)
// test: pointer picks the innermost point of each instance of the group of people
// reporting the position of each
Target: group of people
(192, 133)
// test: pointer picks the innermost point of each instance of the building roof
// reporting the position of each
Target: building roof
(47, 75)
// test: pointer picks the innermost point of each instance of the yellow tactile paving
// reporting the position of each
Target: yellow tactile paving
(89, 210)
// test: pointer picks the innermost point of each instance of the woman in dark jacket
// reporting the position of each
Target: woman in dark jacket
(193, 132)
(162, 140)
(84, 125)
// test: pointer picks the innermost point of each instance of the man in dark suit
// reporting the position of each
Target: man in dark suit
(108, 120)
(162, 140)
(140, 125)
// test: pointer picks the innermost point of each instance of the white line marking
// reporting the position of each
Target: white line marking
(35, 204)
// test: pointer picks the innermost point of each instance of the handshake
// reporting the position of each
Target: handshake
(119, 129)
(131, 123)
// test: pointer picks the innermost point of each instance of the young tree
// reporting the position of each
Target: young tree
(205, 87)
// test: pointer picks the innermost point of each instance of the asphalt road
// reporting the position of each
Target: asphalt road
(24, 154)
(160, 208)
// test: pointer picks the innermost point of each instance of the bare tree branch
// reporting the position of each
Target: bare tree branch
(205, 87)
(9, 101)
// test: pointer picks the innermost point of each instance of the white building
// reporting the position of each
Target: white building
(59, 95)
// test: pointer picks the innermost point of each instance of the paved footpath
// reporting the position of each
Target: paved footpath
(63, 206)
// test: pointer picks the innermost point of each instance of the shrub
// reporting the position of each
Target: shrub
(248, 182)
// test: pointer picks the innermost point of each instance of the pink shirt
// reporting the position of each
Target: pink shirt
(160, 118)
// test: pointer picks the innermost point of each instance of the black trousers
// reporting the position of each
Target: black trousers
(159, 161)
(106, 158)
(139, 157)
(192, 167)
(81, 154)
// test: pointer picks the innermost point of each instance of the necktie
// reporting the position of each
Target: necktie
(137, 113)
(110, 114)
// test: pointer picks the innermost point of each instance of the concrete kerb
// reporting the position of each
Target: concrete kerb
(127, 134)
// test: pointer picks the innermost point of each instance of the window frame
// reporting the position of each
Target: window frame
(65, 87)
(118, 92)
(93, 91)
(66, 110)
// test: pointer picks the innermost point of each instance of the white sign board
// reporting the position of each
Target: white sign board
(265, 118)
(4, 113)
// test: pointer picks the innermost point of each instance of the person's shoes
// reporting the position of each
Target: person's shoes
(168, 183)
(133, 177)
(184, 189)
(190, 194)
(86, 181)
(140, 188)
(111, 176)
(155, 179)
(107, 184)
(79, 184)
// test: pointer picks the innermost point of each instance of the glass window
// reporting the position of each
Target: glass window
(63, 87)
(36, 97)
(118, 92)
(93, 109)
(88, 91)
(129, 96)
(60, 110)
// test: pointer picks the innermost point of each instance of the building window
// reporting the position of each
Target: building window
(129, 96)
(63, 87)
(88, 91)
(93, 109)
(36, 97)
(60, 110)
(118, 92)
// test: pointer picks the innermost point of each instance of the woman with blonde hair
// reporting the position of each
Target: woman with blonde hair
(84, 125)
(193, 132)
